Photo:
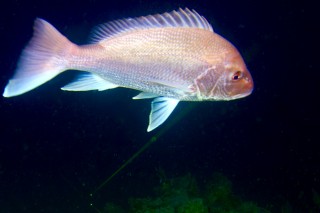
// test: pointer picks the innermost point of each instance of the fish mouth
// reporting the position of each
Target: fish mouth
(246, 90)
(241, 95)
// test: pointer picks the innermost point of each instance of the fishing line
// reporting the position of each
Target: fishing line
(153, 139)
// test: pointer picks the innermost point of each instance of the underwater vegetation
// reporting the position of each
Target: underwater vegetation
(183, 195)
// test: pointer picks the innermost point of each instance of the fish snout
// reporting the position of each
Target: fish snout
(248, 84)
(240, 88)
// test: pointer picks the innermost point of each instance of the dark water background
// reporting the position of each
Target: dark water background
(57, 147)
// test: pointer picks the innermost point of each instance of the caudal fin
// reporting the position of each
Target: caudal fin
(40, 61)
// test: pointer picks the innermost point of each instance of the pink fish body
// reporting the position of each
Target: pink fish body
(171, 57)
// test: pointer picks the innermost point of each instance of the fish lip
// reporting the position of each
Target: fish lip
(249, 86)
(249, 92)
(242, 95)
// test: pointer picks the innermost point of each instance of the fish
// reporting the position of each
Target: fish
(169, 57)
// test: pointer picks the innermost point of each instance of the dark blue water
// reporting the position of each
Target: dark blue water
(57, 147)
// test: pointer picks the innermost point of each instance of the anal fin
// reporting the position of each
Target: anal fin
(89, 81)
(145, 95)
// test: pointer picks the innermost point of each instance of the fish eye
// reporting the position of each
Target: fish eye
(237, 75)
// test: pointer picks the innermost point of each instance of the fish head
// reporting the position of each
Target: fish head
(225, 78)
(236, 79)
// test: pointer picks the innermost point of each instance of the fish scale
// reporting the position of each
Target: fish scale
(170, 57)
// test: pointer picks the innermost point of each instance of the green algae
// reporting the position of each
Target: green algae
(183, 195)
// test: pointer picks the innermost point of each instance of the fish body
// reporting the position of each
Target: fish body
(171, 57)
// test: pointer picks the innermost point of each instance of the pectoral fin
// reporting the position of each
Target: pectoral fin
(89, 81)
(161, 108)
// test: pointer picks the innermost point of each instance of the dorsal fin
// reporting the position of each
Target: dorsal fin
(180, 18)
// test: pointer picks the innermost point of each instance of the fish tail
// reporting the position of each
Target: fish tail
(42, 59)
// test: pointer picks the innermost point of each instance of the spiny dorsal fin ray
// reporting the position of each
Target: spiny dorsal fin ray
(180, 18)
